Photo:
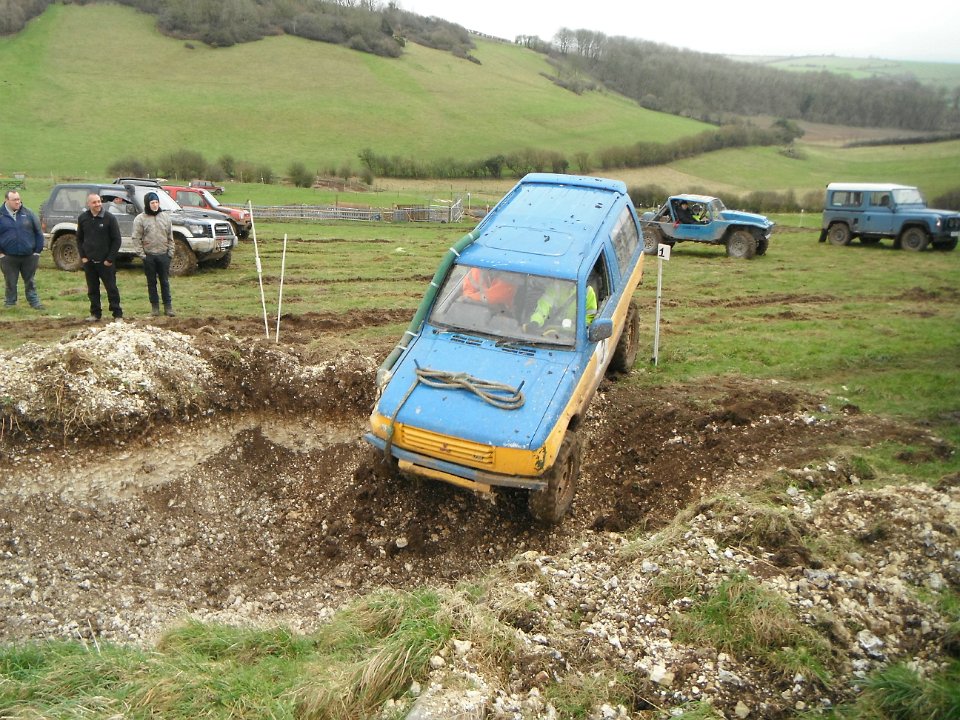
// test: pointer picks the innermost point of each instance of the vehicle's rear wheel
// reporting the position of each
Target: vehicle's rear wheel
(549, 505)
(839, 234)
(652, 236)
(741, 244)
(222, 262)
(66, 252)
(626, 353)
(184, 260)
(914, 239)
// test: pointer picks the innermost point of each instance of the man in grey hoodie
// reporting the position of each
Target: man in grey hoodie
(153, 241)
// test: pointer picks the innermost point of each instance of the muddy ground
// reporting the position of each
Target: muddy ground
(228, 480)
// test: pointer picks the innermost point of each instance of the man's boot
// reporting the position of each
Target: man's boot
(168, 311)
(155, 310)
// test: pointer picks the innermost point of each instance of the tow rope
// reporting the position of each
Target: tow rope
(496, 394)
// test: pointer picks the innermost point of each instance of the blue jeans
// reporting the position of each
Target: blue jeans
(14, 267)
(157, 267)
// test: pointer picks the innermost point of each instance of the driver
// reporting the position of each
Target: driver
(558, 304)
(482, 286)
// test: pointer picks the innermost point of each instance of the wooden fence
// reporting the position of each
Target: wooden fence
(408, 213)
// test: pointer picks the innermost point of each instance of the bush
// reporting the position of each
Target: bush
(129, 167)
(300, 176)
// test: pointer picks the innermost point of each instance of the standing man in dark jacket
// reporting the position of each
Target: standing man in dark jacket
(21, 243)
(98, 238)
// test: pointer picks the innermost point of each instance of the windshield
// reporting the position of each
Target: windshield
(166, 202)
(908, 196)
(508, 306)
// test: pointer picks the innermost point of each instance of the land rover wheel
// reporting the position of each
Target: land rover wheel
(184, 260)
(839, 234)
(914, 239)
(548, 506)
(626, 353)
(66, 252)
(741, 244)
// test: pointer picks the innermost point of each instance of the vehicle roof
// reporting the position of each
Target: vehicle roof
(693, 198)
(868, 186)
(547, 224)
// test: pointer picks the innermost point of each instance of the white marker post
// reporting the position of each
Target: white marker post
(663, 253)
(256, 254)
(283, 265)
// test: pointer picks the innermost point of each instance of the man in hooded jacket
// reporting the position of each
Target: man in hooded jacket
(153, 241)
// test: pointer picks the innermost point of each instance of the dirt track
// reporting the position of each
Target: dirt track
(250, 496)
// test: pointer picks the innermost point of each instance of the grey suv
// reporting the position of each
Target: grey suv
(200, 237)
(873, 211)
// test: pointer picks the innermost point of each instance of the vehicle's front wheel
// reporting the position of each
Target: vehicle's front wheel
(741, 244)
(839, 234)
(66, 252)
(652, 237)
(914, 239)
(626, 353)
(549, 505)
(222, 262)
(184, 260)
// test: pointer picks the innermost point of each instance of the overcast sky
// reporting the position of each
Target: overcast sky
(919, 30)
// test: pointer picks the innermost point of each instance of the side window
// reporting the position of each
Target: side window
(189, 199)
(625, 238)
(880, 199)
(846, 198)
(599, 280)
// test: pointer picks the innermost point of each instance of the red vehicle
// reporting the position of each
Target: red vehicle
(199, 198)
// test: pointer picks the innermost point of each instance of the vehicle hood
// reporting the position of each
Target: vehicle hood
(546, 378)
(746, 218)
(184, 215)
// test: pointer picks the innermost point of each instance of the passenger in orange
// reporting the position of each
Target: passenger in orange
(481, 285)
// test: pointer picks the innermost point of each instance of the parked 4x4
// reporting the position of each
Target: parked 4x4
(873, 211)
(192, 197)
(744, 234)
(200, 237)
(491, 380)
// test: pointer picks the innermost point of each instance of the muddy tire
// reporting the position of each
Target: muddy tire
(625, 354)
(914, 239)
(184, 260)
(548, 506)
(221, 263)
(741, 244)
(839, 234)
(652, 237)
(66, 253)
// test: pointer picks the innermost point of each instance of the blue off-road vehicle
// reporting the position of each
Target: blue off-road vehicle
(705, 219)
(873, 211)
(523, 318)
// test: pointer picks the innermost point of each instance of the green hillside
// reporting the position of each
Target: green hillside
(88, 85)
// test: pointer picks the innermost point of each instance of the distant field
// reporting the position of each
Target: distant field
(282, 99)
(946, 75)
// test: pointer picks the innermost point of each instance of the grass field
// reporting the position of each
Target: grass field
(945, 75)
(282, 99)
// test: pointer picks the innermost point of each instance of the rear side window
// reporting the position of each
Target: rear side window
(71, 200)
(625, 238)
(846, 198)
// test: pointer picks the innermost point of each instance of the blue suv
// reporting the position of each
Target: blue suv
(873, 211)
(522, 320)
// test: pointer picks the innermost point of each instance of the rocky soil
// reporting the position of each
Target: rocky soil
(154, 472)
